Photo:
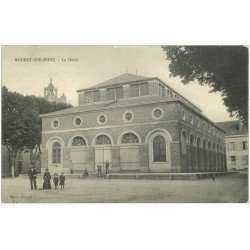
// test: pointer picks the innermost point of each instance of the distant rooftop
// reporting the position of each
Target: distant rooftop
(233, 127)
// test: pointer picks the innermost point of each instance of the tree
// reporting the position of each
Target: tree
(223, 68)
(13, 124)
(21, 124)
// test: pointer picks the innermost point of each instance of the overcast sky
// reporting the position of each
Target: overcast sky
(96, 64)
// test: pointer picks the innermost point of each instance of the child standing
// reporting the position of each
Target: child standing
(85, 173)
(56, 180)
(62, 180)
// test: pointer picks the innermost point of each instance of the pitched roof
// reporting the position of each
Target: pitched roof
(233, 127)
(107, 105)
(125, 78)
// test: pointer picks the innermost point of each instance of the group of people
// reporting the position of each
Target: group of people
(47, 179)
(101, 172)
(61, 179)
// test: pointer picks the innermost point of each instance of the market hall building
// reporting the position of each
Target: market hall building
(137, 124)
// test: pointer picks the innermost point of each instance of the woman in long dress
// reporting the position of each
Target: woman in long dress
(47, 178)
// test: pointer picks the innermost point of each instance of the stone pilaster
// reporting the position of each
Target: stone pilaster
(90, 159)
(189, 168)
(195, 159)
(199, 159)
(144, 164)
(66, 158)
(175, 157)
(116, 159)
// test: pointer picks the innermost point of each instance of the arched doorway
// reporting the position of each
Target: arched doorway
(159, 152)
(77, 154)
(55, 162)
(129, 152)
(103, 151)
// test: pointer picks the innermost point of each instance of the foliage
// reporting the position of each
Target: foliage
(224, 68)
(21, 124)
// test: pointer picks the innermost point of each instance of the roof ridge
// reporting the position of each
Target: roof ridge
(121, 79)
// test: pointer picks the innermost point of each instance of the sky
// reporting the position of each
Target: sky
(90, 65)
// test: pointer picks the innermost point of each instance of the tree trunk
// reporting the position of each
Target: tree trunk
(13, 166)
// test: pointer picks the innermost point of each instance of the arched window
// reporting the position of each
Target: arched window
(192, 119)
(183, 115)
(78, 141)
(129, 138)
(56, 153)
(159, 149)
(198, 123)
(102, 139)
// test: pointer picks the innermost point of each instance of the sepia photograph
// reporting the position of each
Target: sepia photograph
(124, 124)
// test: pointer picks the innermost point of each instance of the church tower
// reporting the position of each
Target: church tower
(50, 94)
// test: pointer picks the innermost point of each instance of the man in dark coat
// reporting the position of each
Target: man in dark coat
(99, 170)
(32, 176)
(62, 180)
(107, 167)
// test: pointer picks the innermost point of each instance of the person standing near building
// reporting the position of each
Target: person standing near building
(213, 177)
(47, 178)
(62, 180)
(107, 167)
(56, 180)
(85, 172)
(99, 170)
(32, 176)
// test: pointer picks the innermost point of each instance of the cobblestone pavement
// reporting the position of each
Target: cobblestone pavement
(230, 188)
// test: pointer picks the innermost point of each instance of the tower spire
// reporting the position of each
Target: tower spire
(126, 69)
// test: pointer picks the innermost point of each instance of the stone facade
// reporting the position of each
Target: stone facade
(236, 139)
(184, 143)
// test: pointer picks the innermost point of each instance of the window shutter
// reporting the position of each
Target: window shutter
(228, 146)
(241, 145)
(235, 146)
(236, 160)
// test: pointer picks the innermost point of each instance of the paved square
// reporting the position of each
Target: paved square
(230, 188)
